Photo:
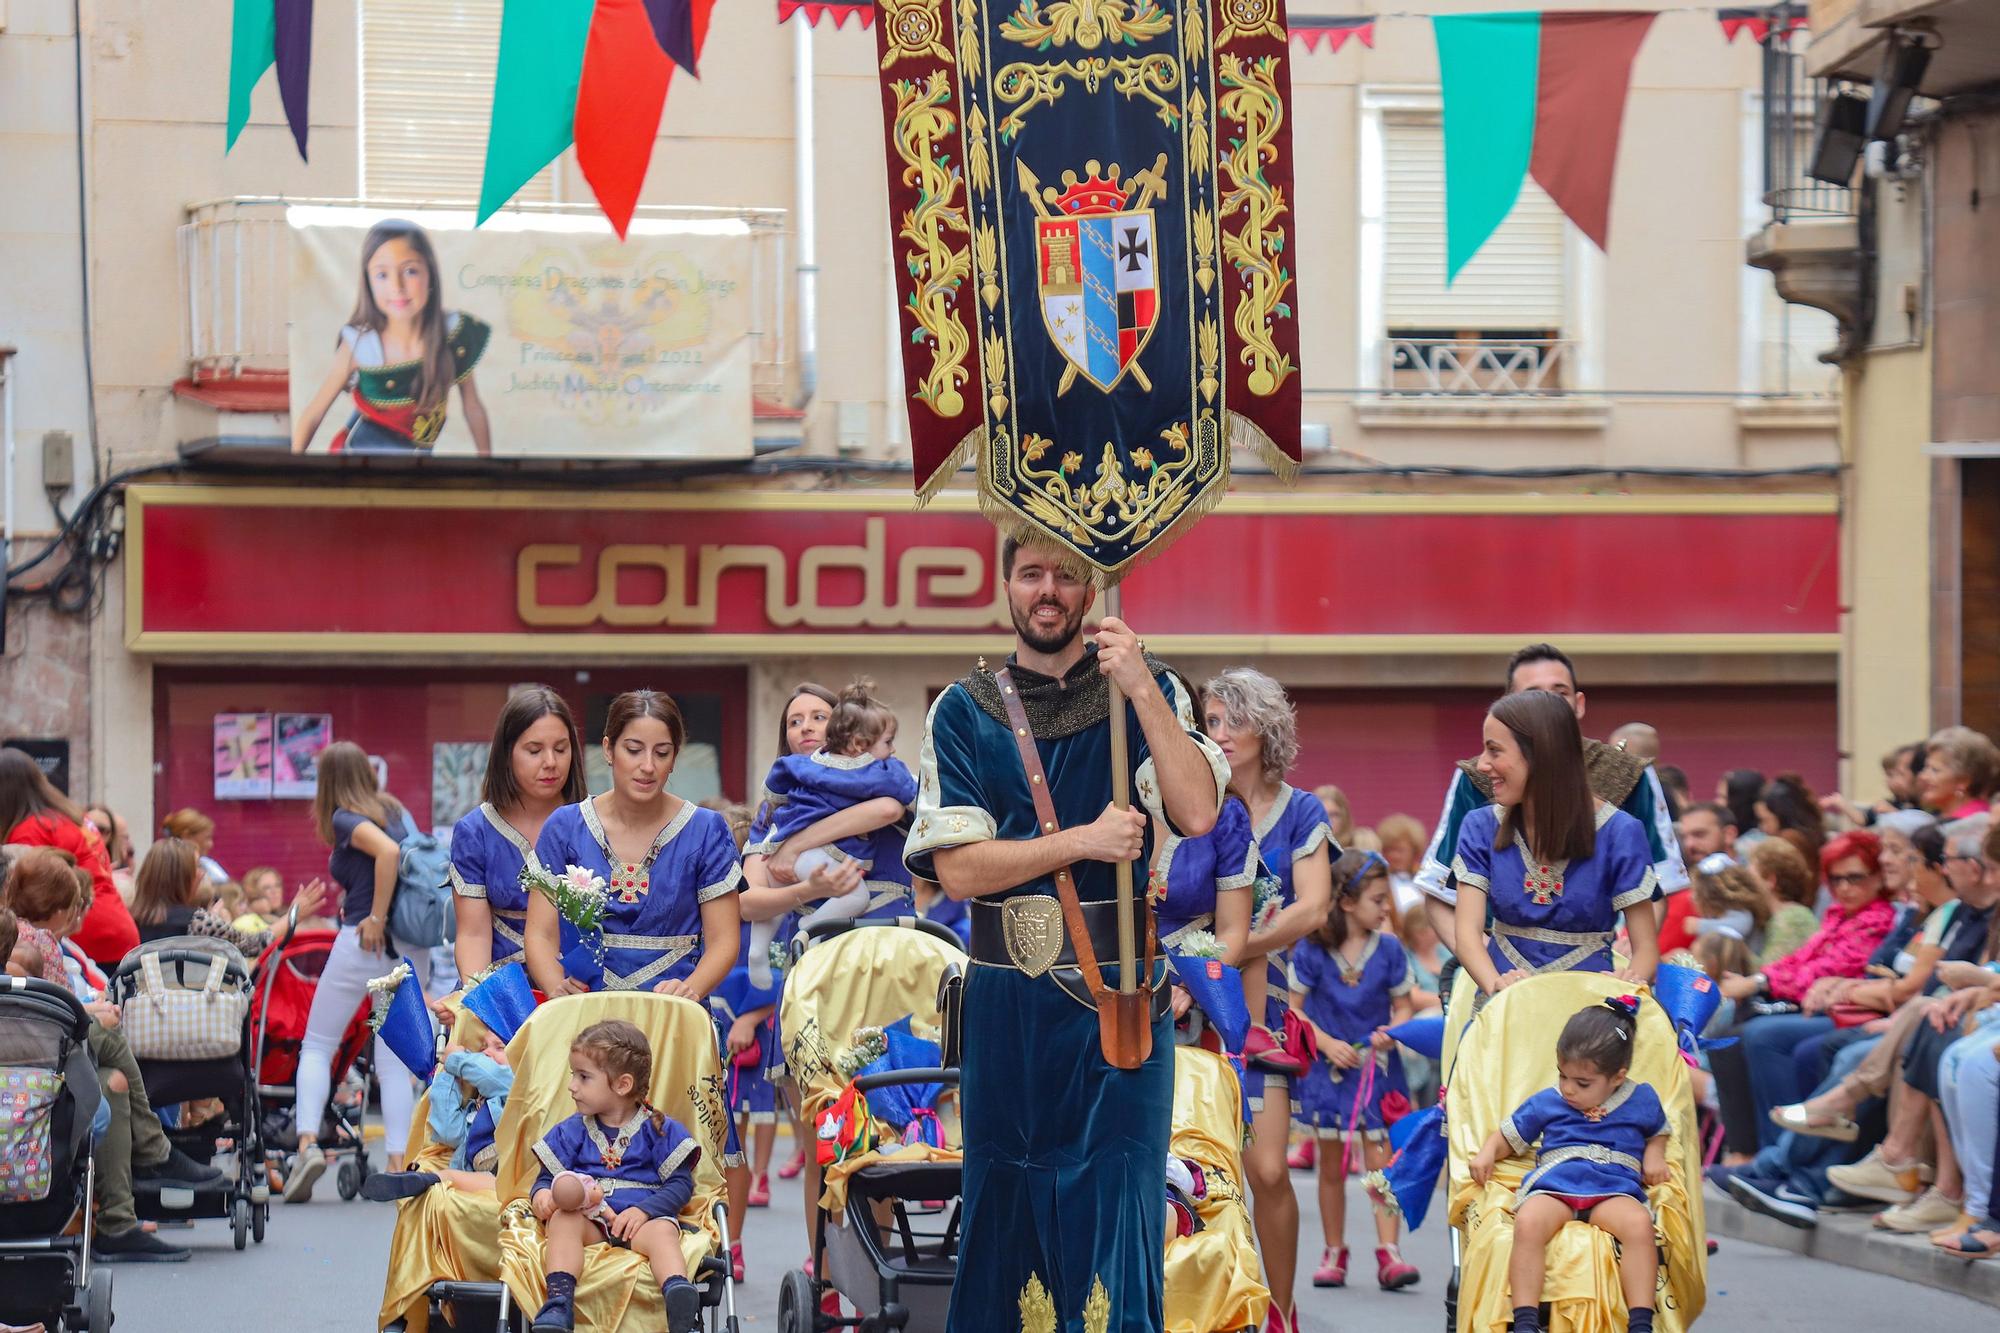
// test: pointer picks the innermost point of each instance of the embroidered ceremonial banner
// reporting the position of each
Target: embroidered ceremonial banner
(1092, 209)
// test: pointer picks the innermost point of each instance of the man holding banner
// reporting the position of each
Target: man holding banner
(1065, 1153)
(1092, 221)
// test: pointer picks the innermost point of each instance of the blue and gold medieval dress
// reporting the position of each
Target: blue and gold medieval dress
(487, 855)
(1293, 829)
(1065, 1156)
(1556, 916)
(652, 917)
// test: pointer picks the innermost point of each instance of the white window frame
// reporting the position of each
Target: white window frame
(1583, 264)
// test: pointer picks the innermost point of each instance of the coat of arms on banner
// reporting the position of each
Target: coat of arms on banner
(1093, 227)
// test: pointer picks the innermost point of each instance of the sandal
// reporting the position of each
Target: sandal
(1976, 1244)
(1823, 1125)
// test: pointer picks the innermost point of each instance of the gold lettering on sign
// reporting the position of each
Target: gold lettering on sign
(692, 599)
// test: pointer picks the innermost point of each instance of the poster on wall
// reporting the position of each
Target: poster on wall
(301, 736)
(458, 768)
(551, 337)
(242, 756)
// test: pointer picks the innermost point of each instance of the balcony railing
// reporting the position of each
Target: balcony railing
(1793, 104)
(236, 263)
(1476, 367)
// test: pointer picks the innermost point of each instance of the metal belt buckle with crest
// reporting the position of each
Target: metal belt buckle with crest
(1033, 929)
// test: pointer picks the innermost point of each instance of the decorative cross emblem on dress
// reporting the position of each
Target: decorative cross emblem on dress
(628, 881)
(1544, 883)
(1595, 1113)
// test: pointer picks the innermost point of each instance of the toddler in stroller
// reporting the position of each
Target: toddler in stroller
(46, 1172)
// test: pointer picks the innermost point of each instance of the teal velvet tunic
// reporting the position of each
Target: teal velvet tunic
(1065, 1156)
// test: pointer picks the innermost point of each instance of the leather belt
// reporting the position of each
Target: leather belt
(1025, 933)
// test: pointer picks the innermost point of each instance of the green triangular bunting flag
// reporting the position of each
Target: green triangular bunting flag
(534, 93)
(253, 48)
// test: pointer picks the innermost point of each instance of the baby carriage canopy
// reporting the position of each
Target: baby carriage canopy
(1506, 1056)
(867, 976)
(615, 1293)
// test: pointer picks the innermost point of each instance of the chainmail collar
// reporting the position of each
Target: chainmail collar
(1056, 707)
(1612, 772)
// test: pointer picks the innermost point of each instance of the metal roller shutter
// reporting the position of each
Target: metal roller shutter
(1515, 282)
(426, 96)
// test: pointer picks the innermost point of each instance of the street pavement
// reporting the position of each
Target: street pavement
(321, 1266)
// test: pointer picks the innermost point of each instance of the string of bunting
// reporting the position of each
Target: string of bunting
(1329, 32)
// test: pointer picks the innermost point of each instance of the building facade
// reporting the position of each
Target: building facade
(1632, 453)
(1904, 259)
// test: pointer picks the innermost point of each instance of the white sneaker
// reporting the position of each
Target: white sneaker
(1929, 1211)
(759, 967)
(1874, 1178)
(310, 1166)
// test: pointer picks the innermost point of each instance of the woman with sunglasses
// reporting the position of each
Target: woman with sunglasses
(1788, 1000)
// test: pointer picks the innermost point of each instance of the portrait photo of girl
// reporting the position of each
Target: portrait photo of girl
(399, 354)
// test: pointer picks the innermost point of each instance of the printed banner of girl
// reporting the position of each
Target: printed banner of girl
(531, 336)
(301, 736)
(242, 756)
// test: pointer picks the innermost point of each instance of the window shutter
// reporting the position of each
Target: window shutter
(426, 97)
(1514, 283)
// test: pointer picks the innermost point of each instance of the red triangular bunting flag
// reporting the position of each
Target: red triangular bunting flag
(624, 89)
(1312, 32)
(1757, 21)
(815, 10)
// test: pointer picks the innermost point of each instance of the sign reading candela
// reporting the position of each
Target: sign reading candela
(530, 336)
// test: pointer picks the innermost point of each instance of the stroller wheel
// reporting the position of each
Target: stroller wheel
(239, 1222)
(258, 1212)
(348, 1179)
(97, 1304)
(798, 1304)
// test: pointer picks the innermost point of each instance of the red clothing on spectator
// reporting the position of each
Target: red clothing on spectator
(1674, 932)
(1840, 949)
(108, 932)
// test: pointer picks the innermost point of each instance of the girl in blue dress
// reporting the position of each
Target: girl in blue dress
(637, 1173)
(1247, 715)
(1351, 980)
(669, 866)
(1603, 1139)
(534, 768)
(1550, 866)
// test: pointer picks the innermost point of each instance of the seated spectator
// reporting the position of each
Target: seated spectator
(1339, 815)
(1786, 1001)
(1674, 782)
(1364, 840)
(1728, 900)
(191, 825)
(1787, 809)
(1739, 789)
(1960, 773)
(1899, 775)
(34, 813)
(1957, 1026)
(1403, 842)
(1705, 831)
(263, 900)
(1959, 896)
(111, 827)
(171, 881)
(1789, 880)
(44, 894)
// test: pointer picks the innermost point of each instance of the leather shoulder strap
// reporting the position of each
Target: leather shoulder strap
(1045, 819)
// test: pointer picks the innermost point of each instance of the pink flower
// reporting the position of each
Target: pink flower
(583, 880)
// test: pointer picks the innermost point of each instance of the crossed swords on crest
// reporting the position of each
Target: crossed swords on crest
(1152, 183)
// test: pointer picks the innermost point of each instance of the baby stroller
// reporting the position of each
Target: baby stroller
(45, 1270)
(287, 977)
(192, 965)
(444, 1255)
(615, 1291)
(891, 1255)
(1505, 1056)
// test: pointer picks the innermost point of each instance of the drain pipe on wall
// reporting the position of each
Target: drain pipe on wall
(7, 444)
(805, 158)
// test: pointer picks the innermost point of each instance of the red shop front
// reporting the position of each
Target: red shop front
(404, 616)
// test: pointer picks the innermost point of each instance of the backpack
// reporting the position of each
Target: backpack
(421, 914)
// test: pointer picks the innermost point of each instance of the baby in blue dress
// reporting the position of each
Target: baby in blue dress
(1602, 1139)
(856, 764)
(624, 1170)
